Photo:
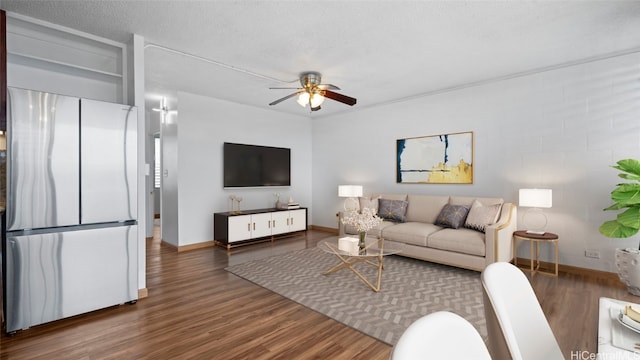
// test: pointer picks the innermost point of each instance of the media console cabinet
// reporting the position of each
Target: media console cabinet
(232, 229)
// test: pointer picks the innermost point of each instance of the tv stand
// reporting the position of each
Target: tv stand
(231, 229)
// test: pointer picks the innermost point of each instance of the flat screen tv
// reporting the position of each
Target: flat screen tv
(254, 165)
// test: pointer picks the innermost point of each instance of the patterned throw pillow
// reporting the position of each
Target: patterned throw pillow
(481, 216)
(452, 216)
(393, 210)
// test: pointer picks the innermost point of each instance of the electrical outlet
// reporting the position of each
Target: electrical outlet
(592, 254)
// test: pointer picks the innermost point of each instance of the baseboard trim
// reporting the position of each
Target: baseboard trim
(168, 243)
(324, 229)
(575, 270)
(183, 248)
(201, 245)
(143, 293)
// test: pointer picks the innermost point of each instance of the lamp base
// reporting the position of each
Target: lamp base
(536, 220)
(355, 204)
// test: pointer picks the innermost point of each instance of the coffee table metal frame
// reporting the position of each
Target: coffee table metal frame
(373, 255)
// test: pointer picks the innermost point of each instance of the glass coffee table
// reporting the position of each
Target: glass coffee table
(375, 250)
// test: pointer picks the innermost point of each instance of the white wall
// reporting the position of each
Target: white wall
(153, 118)
(560, 129)
(169, 179)
(203, 125)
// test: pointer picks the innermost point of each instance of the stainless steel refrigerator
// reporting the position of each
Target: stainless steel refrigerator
(71, 243)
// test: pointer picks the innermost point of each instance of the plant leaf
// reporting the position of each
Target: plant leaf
(631, 166)
(630, 218)
(629, 177)
(614, 229)
(626, 194)
(615, 207)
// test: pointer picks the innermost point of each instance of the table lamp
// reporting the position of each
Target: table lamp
(536, 199)
(350, 192)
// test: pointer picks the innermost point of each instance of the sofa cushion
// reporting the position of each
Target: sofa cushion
(393, 210)
(462, 240)
(452, 216)
(480, 216)
(414, 233)
(425, 208)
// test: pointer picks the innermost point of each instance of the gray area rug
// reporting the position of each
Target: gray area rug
(410, 289)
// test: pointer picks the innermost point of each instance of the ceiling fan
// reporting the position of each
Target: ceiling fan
(313, 92)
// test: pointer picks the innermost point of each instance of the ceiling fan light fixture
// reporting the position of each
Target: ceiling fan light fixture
(303, 98)
(313, 92)
(316, 100)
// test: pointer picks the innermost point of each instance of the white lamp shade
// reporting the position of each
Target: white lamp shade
(538, 198)
(350, 190)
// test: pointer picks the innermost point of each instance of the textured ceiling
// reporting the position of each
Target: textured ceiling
(376, 51)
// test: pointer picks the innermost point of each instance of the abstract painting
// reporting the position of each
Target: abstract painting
(436, 159)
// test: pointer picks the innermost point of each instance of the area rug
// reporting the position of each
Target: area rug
(410, 289)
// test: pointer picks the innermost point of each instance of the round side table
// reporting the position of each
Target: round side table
(537, 239)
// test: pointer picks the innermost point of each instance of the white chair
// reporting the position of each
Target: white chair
(516, 325)
(440, 335)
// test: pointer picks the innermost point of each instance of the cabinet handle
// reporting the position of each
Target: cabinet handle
(292, 221)
(274, 223)
(254, 226)
(249, 227)
(287, 221)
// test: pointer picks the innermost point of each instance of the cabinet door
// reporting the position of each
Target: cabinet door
(239, 228)
(297, 220)
(260, 225)
(280, 222)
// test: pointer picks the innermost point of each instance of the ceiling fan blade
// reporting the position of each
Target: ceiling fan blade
(328, 86)
(283, 99)
(339, 97)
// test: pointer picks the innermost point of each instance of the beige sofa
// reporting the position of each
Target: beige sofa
(422, 235)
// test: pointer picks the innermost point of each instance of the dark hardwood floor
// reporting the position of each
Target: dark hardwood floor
(195, 309)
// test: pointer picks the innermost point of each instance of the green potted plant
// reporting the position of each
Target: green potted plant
(626, 196)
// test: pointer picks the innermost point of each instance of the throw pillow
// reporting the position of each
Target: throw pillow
(369, 202)
(452, 216)
(393, 210)
(481, 216)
